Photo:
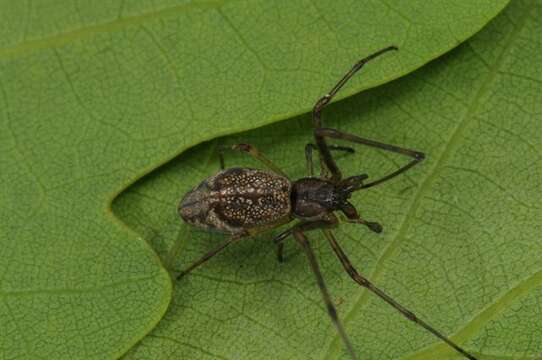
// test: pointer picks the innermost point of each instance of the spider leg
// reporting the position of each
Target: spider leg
(209, 255)
(253, 152)
(415, 155)
(308, 156)
(280, 250)
(372, 225)
(352, 216)
(302, 240)
(302, 226)
(353, 273)
(220, 151)
(323, 101)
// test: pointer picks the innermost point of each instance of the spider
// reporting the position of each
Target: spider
(243, 202)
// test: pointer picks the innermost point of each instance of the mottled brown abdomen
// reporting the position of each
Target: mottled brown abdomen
(237, 200)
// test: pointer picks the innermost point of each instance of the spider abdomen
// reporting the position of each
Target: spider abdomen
(238, 199)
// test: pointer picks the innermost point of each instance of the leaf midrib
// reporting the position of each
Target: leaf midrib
(334, 349)
(503, 302)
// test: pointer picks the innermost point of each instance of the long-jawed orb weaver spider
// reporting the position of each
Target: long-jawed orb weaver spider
(242, 202)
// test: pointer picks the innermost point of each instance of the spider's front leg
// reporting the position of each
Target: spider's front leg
(323, 147)
(363, 281)
(417, 156)
(308, 156)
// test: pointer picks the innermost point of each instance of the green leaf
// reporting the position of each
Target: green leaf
(461, 245)
(95, 94)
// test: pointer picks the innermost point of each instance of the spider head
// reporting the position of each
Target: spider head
(314, 197)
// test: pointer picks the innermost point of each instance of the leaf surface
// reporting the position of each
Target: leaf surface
(95, 94)
(461, 237)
